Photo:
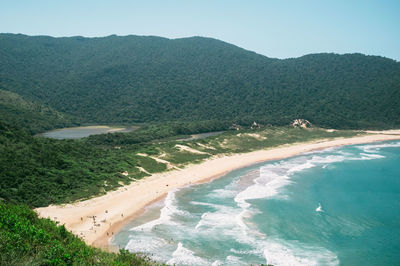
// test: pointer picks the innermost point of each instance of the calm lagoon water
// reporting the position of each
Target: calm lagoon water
(82, 132)
(339, 206)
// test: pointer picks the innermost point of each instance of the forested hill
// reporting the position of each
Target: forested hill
(140, 79)
(33, 117)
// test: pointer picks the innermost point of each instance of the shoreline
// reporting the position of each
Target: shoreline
(113, 210)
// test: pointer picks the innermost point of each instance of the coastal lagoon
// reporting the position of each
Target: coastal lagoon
(331, 207)
(82, 132)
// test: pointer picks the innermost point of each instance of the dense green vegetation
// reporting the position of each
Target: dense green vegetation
(32, 116)
(27, 240)
(154, 132)
(38, 171)
(145, 79)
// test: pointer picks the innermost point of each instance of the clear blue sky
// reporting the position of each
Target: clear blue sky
(275, 28)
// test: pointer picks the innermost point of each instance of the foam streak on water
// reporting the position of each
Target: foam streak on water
(275, 176)
(167, 212)
(240, 219)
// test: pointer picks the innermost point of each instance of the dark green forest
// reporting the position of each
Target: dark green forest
(40, 171)
(34, 117)
(135, 79)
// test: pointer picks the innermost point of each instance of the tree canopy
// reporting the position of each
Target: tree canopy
(141, 79)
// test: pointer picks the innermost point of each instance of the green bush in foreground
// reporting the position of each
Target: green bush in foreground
(26, 239)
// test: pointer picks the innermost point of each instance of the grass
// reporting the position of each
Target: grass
(150, 165)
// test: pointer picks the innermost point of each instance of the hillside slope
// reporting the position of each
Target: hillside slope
(34, 117)
(27, 240)
(140, 79)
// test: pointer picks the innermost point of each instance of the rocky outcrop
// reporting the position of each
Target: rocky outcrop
(255, 125)
(301, 123)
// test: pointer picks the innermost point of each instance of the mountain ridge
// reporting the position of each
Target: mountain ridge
(191, 37)
(125, 79)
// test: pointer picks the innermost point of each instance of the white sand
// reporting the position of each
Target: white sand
(186, 148)
(116, 208)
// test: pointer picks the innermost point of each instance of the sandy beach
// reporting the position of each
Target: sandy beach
(97, 220)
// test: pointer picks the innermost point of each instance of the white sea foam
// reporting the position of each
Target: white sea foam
(371, 152)
(328, 159)
(373, 148)
(258, 191)
(221, 193)
(205, 204)
(370, 156)
(184, 256)
(217, 263)
(147, 245)
(300, 167)
(279, 252)
(367, 154)
(275, 176)
(240, 220)
(233, 260)
(366, 157)
(220, 220)
(167, 212)
(288, 254)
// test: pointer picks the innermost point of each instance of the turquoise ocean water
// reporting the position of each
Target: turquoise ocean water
(339, 206)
